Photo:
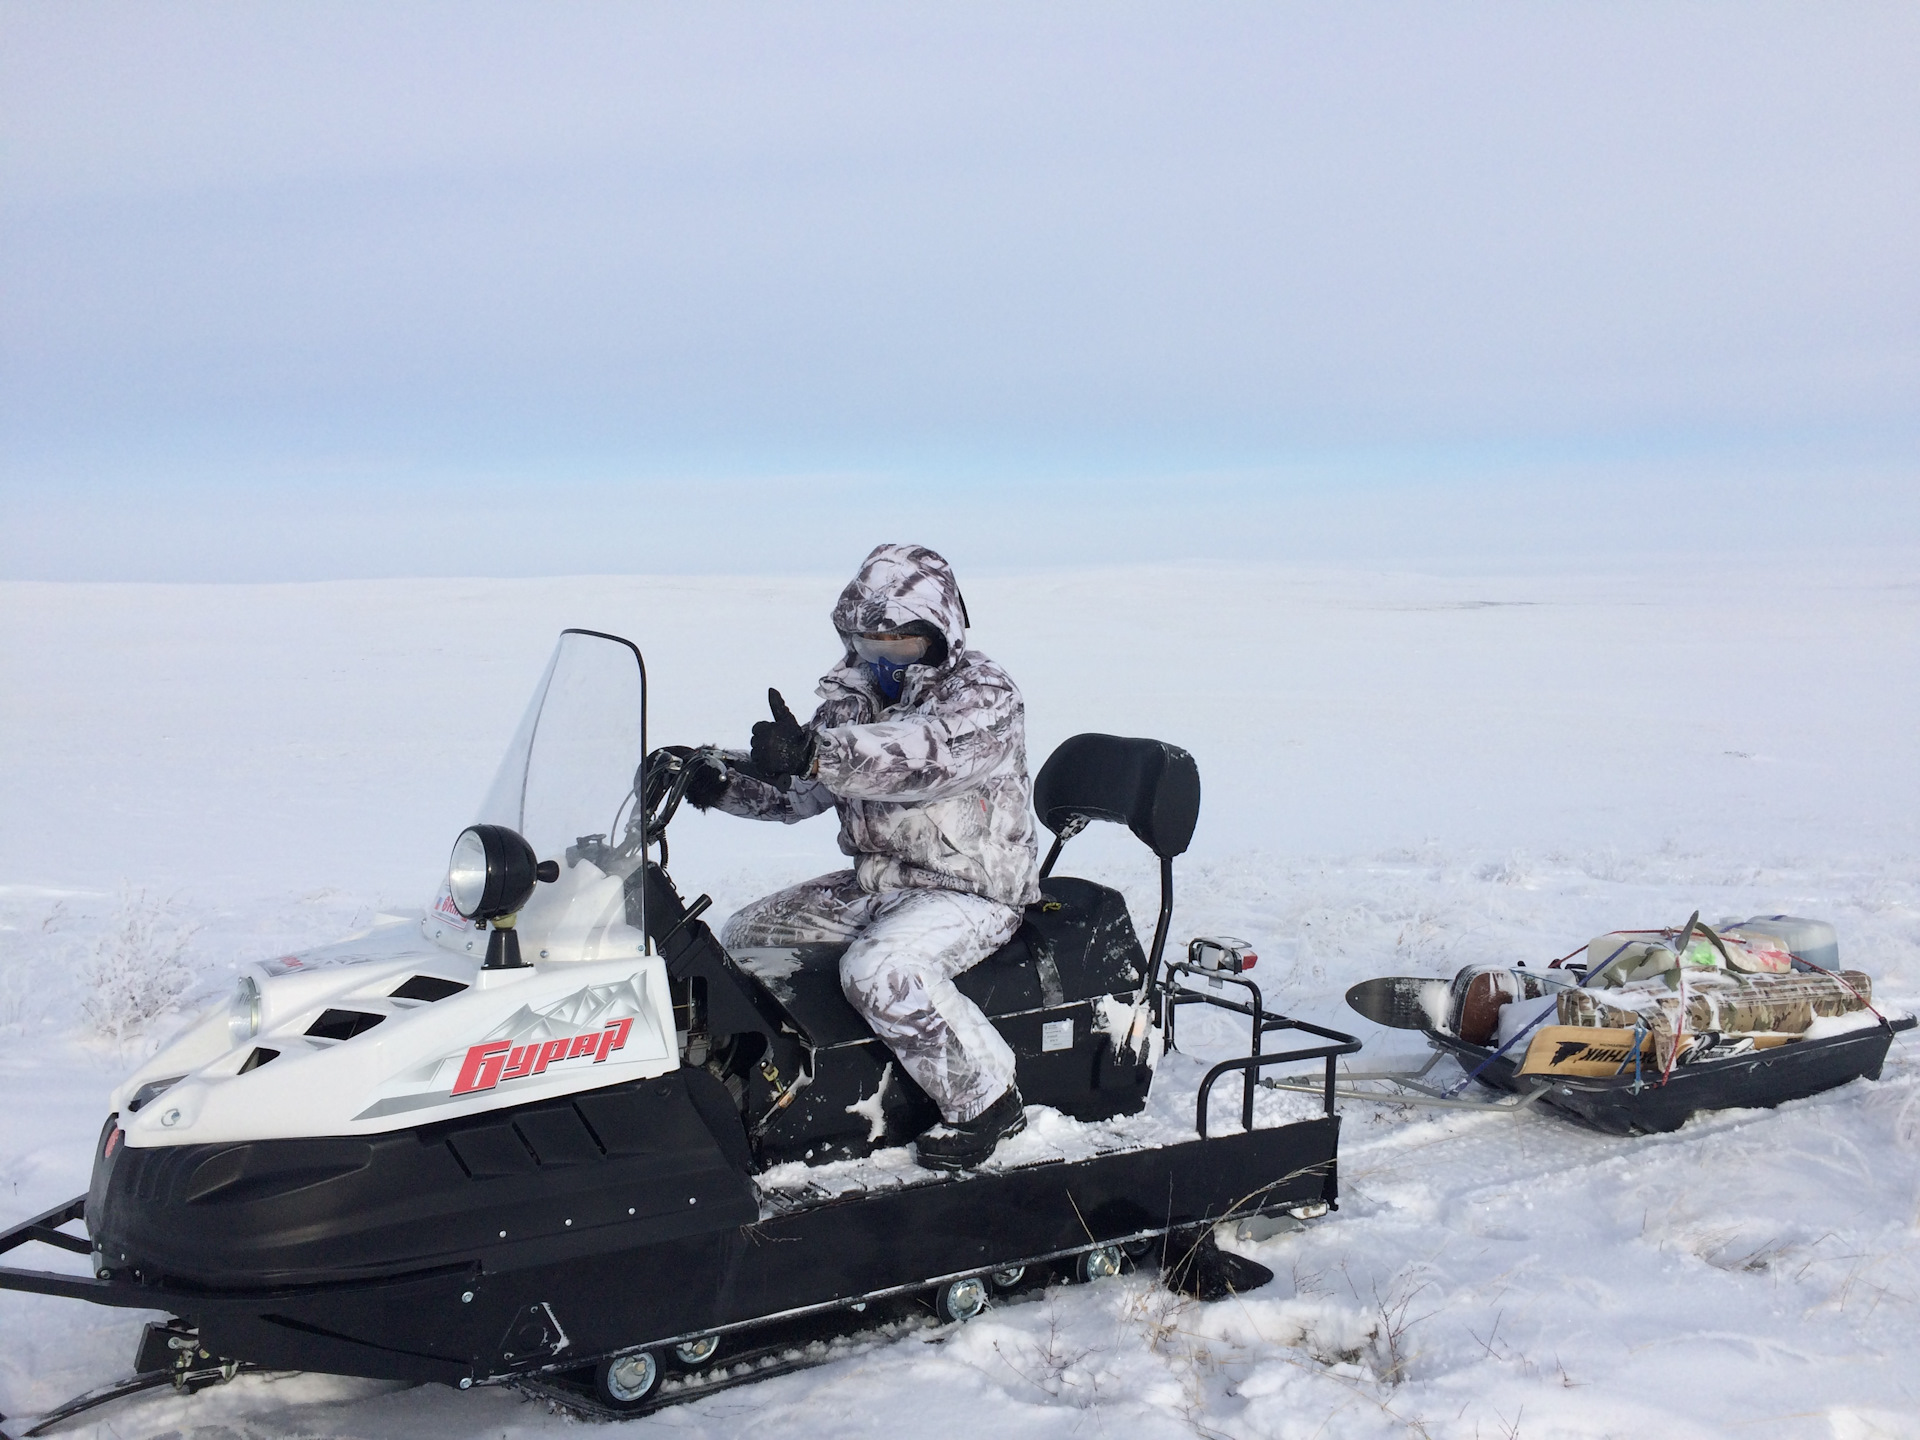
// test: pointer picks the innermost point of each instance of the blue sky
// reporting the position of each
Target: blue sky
(328, 289)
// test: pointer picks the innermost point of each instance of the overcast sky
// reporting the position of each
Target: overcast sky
(331, 289)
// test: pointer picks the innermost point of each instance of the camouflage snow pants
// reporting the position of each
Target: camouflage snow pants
(903, 949)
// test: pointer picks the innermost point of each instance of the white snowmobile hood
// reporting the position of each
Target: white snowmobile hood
(898, 584)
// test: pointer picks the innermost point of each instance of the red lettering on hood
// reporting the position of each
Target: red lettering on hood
(481, 1069)
(486, 1065)
(613, 1038)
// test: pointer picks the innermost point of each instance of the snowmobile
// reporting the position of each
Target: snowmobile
(1756, 1025)
(556, 1136)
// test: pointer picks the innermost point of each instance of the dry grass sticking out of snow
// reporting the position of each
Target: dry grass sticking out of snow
(137, 969)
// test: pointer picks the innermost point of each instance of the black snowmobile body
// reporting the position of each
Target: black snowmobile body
(550, 1238)
(1626, 1104)
(580, 1277)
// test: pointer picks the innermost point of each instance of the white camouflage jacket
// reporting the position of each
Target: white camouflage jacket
(932, 788)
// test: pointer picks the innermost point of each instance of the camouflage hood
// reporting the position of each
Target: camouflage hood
(932, 788)
(898, 584)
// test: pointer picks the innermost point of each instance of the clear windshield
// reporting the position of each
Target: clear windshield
(572, 762)
(568, 776)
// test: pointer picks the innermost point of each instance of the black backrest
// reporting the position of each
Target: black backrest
(1149, 786)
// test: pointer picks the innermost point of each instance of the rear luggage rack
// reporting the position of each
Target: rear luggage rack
(1263, 1022)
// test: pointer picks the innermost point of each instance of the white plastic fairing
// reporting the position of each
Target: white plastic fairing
(384, 1033)
(446, 927)
(582, 916)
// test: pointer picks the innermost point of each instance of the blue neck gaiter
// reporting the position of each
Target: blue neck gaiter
(887, 677)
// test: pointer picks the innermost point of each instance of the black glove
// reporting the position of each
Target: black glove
(708, 781)
(782, 746)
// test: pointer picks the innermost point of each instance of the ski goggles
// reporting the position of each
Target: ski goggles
(892, 649)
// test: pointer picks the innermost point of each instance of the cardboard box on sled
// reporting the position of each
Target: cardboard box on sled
(1598, 1053)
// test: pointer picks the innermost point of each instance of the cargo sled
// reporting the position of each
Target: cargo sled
(1694, 1019)
(556, 1136)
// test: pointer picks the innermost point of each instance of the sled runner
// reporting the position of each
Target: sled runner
(1753, 1029)
(556, 1136)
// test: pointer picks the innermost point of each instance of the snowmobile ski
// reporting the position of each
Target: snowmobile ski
(188, 1381)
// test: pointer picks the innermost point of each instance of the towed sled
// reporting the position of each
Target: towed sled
(1752, 1026)
(556, 1136)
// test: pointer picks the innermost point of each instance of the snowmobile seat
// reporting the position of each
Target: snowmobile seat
(1076, 944)
(1050, 991)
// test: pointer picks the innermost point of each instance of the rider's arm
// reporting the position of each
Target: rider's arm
(924, 756)
(752, 798)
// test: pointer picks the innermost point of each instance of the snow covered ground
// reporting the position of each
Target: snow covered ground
(1403, 773)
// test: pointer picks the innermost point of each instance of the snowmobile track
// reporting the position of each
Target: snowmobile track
(764, 1362)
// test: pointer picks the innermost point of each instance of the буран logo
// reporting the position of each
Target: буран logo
(487, 1065)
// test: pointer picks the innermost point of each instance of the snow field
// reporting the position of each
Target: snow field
(1403, 774)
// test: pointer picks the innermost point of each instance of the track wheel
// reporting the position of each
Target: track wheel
(962, 1299)
(1099, 1263)
(696, 1353)
(623, 1380)
(1007, 1279)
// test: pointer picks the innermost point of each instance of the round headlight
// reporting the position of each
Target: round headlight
(243, 1011)
(491, 872)
(467, 873)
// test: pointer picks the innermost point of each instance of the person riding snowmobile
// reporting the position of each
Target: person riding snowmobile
(920, 744)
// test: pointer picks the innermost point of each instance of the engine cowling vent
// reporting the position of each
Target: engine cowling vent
(343, 1024)
(428, 988)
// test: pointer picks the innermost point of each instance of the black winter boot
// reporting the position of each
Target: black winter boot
(965, 1145)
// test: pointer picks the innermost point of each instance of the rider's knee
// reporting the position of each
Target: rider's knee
(867, 976)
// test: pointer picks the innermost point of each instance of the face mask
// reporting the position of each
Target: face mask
(888, 675)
